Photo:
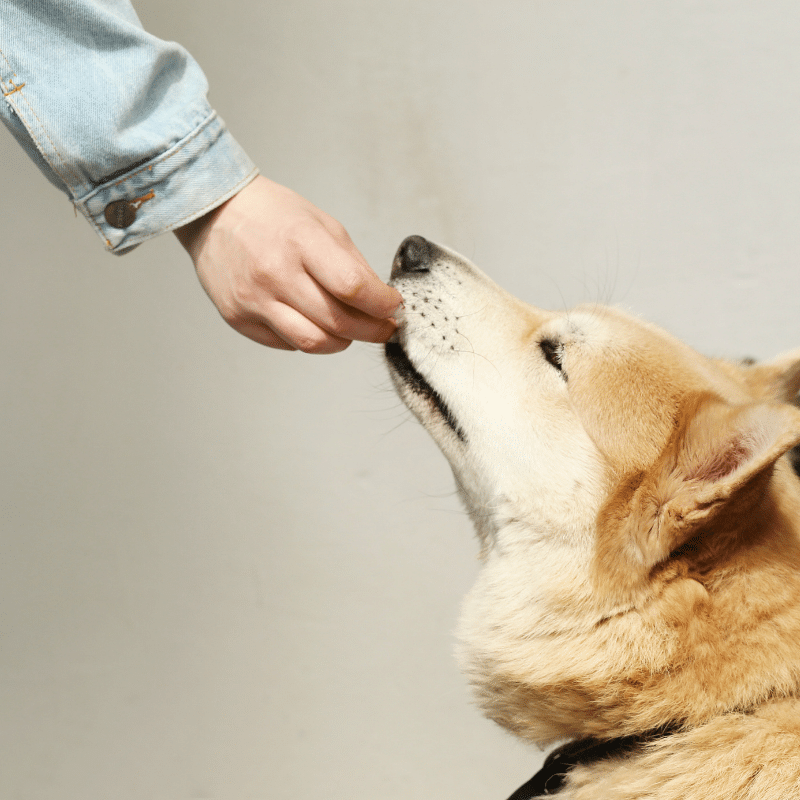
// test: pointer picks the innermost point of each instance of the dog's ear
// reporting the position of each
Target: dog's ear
(777, 379)
(716, 465)
(716, 461)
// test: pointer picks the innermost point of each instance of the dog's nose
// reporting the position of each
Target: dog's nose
(413, 255)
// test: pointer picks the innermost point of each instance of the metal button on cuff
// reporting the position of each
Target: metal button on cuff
(120, 213)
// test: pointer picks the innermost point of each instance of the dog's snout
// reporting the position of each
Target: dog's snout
(413, 255)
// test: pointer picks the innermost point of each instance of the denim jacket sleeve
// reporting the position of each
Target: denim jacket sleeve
(115, 117)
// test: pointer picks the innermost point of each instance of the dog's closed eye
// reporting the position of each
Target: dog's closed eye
(553, 352)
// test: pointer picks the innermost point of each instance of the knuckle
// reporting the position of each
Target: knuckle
(312, 342)
(242, 292)
(296, 231)
(232, 311)
(321, 344)
(350, 284)
(339, 325)
(257, 280)
(338, 231)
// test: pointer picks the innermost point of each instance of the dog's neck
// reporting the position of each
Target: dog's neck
(549, 780)
(531, 685)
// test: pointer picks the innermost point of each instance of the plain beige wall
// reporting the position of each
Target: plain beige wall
(232, 573)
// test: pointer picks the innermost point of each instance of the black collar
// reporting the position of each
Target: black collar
(550, 778)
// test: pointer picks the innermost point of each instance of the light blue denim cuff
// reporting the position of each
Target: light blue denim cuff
(115, 117)
(198, 173)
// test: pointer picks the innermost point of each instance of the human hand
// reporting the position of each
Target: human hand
(285, 274)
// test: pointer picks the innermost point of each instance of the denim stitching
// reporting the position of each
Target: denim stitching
(189, 217)
(178, 147)
(66, 168)
(15, 89)
(36, 140)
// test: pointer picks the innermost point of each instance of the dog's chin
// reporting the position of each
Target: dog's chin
(417, 393)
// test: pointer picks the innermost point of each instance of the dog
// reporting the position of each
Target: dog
(639, 528)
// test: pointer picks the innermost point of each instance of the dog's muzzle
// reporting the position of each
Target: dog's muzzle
(414, 257)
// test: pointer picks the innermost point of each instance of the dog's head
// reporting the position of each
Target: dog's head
(607, 467)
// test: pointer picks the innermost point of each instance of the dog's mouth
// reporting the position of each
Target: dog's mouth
(401, 363)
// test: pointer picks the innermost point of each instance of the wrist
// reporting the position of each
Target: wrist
(193, 234)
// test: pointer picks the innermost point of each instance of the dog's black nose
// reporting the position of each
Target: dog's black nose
(413, 255)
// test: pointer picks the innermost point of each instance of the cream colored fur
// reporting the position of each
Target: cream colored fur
(640, 533)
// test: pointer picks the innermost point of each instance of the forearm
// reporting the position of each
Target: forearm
(115, 117)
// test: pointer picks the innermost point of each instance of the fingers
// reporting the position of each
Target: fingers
(354, 305)
(330, 315)
(310, 320)
(296, 309)
(288, 329)
(338, 266)
(286, 275)
(260, 333)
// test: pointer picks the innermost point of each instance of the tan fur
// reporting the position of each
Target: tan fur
(753, 756)
(640, 529)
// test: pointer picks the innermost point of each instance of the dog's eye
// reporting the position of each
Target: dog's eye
(553, 352)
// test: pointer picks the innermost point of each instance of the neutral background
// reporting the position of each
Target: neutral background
(229, 573)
